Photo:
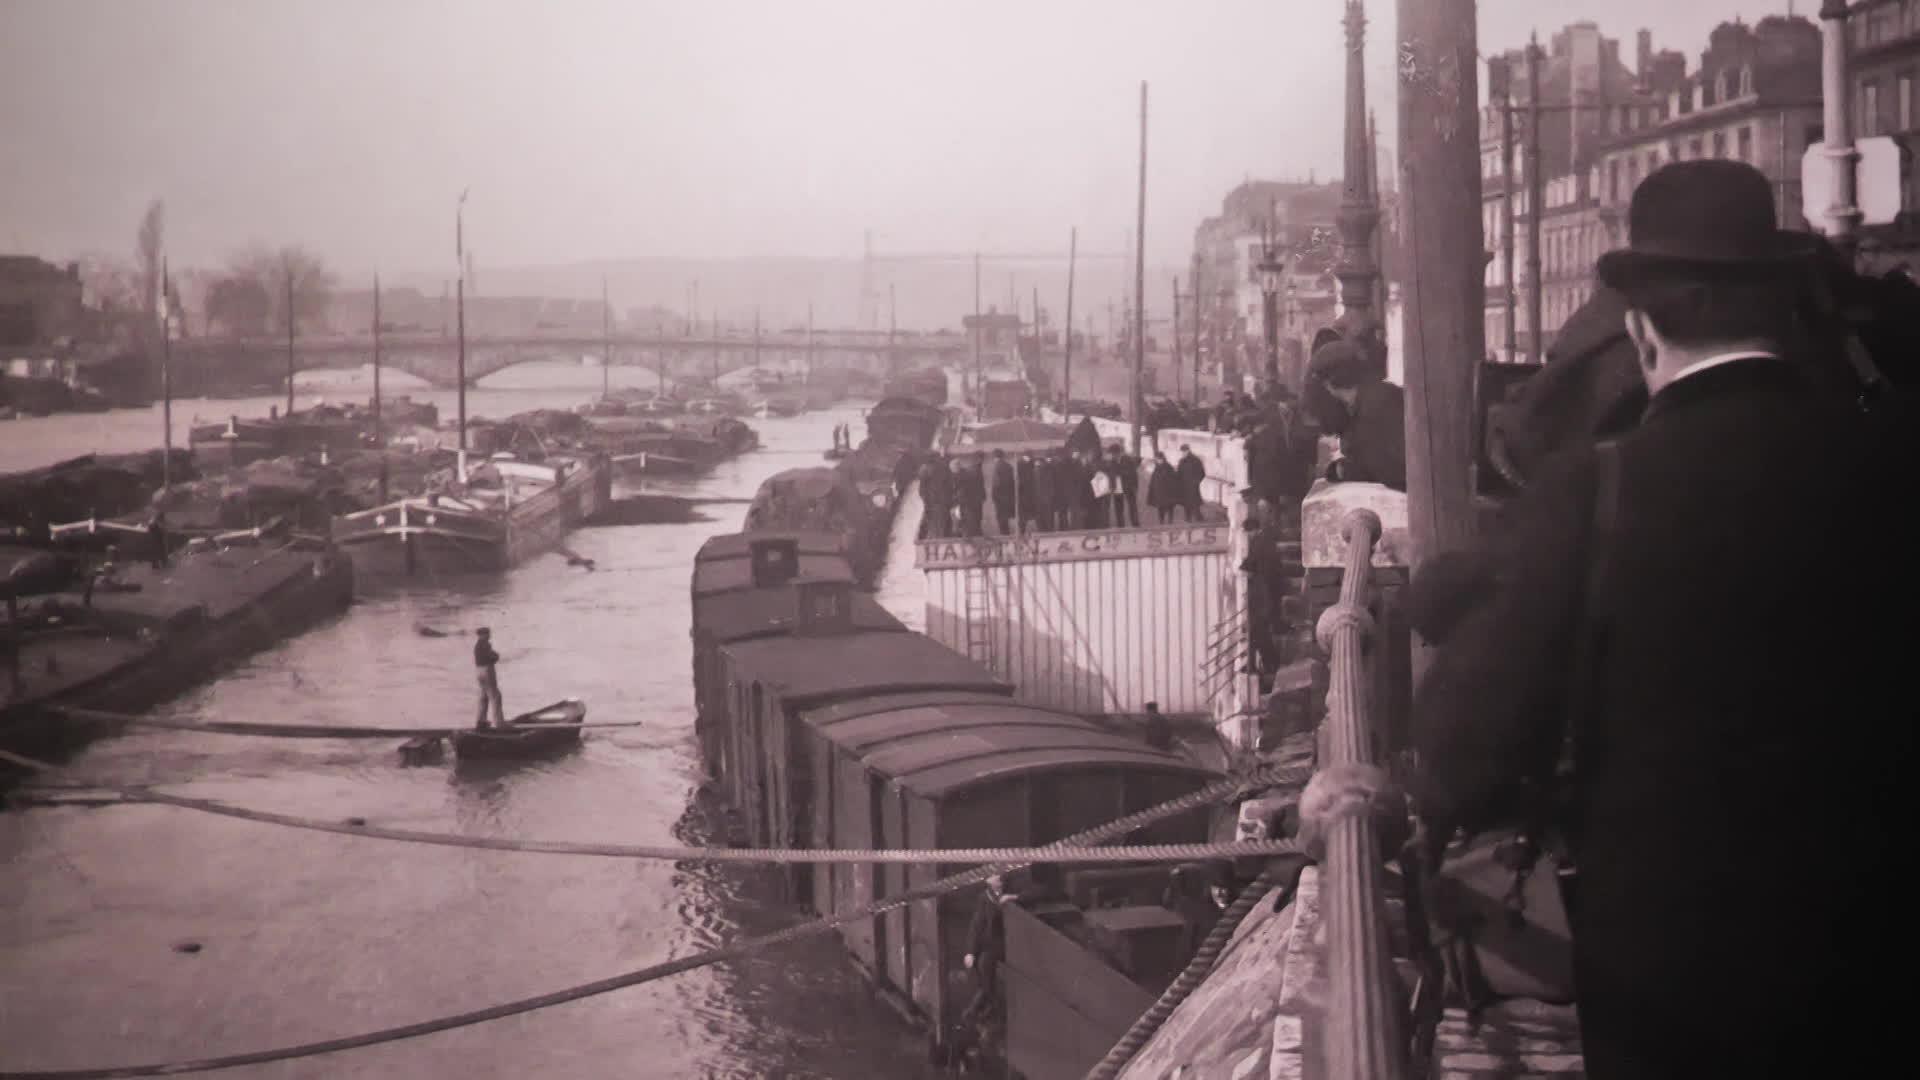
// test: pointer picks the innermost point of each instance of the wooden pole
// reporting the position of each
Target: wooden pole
(606, 340)
(1536, 204)
(1443, 313)
(1508, 239)
(1176, 339)
(1066, 377)
(809, 344)
(1199, 316)
(460, 322)
(978, 391)
(1140, 277)
(379, 438)
(287, 267)
(166, 378)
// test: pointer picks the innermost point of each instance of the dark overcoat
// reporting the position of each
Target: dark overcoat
(1739, 745)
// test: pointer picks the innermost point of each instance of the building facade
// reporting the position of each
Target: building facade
(1754, 97)
(1885, 76)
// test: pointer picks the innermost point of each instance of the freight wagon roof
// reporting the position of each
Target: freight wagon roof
(726, 575)
(815, 670)
(933, 746)
(740, 545)
(750, 613)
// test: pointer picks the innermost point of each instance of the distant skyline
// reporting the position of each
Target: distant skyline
(600, 130)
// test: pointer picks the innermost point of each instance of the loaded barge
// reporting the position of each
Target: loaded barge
(507, 511)
(142, 634)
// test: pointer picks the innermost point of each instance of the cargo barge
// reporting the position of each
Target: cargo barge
(508, 511)
(146, 633)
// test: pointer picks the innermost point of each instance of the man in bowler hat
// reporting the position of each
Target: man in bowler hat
(1702, 573)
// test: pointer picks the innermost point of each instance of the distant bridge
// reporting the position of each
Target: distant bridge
(435, 357)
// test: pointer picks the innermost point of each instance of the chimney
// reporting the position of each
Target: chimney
(775, 562)
(824, 608)
(1644, 67)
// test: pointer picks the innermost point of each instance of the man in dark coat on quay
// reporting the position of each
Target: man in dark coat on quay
(936, 494)
(1002, 486)
(1372, 420)
(1191, 473)
(1735, 874)
(969, 495)
(1026, 475)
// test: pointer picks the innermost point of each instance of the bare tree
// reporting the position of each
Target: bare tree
(241, 304)
(265, 272)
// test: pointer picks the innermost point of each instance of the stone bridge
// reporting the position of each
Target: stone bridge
(435, 358)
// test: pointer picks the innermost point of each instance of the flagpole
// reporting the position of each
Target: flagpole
(166, 379)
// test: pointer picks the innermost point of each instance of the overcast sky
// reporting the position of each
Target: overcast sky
(592, 129)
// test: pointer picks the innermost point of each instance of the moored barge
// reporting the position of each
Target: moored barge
(508, 511)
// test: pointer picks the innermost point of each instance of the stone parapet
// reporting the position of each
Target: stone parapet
(1324, 512)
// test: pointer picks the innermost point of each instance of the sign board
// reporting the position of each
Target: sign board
(1877, 181)
(1073, 546)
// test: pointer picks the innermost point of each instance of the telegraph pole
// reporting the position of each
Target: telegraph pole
(1501, 78)
(1176, 339)
(1199, 316)
(1066, 377)
(1536, 202)
(1140, 276)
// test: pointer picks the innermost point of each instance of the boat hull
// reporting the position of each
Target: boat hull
(423, 539)
(504, 743)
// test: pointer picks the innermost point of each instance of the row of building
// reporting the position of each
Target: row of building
(1601, 126)
(1754, 96)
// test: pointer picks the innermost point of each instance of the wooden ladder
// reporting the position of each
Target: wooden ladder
(979, 612)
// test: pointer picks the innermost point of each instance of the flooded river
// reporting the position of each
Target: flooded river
(308, 936)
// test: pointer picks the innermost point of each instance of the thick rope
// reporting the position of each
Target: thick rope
(1190, 978)
(1192, 801)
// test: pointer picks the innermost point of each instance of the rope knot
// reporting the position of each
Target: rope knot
(1338, 792)
(1338, 617)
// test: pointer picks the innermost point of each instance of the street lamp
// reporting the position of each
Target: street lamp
(1272, 272)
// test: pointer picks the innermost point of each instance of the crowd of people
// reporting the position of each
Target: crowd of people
(1059, 490)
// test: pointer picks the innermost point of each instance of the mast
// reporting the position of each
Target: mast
(809, 345)
(378, 436)
(1140, 275)
(977, 390)
(606, 340)
(166, 377)
(287, 265)
(756, 337)
(893, 326)
(460, 321)
(1066, 377)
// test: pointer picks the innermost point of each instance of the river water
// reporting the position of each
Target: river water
(308, 936)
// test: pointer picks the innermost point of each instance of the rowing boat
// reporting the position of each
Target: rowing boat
(558, 728)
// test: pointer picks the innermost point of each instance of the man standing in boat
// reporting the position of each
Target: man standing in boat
(484, 659)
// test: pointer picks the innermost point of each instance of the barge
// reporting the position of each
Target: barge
(508, 511)
(147, 634)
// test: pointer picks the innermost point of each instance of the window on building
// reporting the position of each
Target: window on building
(1746, 143)
(1720, 94)
(1746, 80)
(1719, 144)
(1870, 108)
(1693, 148)
(1904, 104)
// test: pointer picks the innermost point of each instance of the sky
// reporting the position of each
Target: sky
(609, 129)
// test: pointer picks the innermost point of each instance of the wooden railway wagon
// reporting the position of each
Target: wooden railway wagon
(738, 596)
(828, 728)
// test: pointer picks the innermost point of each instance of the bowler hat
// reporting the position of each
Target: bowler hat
(1339, 363)
(1694, 216)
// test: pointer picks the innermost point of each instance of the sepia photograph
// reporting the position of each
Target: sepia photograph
(881, 540)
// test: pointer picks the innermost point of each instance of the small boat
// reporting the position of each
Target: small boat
(505, 742)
